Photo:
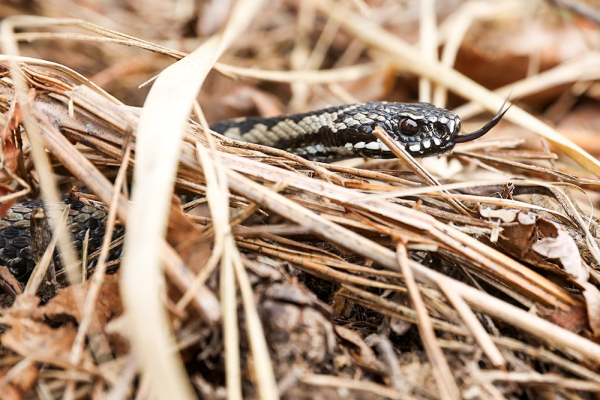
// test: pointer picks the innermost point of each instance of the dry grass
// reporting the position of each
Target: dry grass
(491, 253)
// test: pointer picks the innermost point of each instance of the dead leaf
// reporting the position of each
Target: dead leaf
(108, 307)
(35, 339)
(9, 283)
(563, 248)
(29, 335)
(11, 154)
(517, 239)
(187, 239)
(367, 356)
(592, 301)
(21, 381)
(6, 205)
(539, 240)
(505, 215)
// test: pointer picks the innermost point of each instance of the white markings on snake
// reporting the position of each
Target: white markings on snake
(372, 146)
(234, 133)
(451, 125)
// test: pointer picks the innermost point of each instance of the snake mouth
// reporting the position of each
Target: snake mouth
(376, 145)
(376, 148)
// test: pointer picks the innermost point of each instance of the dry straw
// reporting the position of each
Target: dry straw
(373, 216)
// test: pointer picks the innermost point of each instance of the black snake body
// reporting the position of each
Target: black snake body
(322, 135)
(347, 131)
(16, 247)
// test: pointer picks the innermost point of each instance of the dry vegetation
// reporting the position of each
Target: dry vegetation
(473, 275)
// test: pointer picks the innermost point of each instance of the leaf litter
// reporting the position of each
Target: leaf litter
(472, 275)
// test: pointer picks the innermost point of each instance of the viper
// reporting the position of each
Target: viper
(324, 135)
(347, 131)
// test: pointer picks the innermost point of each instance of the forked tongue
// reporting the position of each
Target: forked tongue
(485, 129)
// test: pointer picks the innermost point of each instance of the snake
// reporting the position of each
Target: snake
(329, 134)
(347, 131)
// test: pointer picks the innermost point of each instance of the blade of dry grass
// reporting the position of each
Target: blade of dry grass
(504, 267)
(231, 338)
(583, 348)
(341, 74)
(98, 276)
(426, 176)
(166, 110)
(375, 389)
(447, 387)
(534, 378)
(586, 68)
(39, 272)
(217, 195)
(577, 346)
(428, 43)
(156, 155)
(50, 192)
(471, 321)
(263, 368)
(44, 22)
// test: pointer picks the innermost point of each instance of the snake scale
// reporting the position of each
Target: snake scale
(324, 135)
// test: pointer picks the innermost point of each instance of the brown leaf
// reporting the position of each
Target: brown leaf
(574, 319)
(538, 240)
(367, 356)
(592, 301)
(187, 239)
(25, 305)
(9, 283)
(6, 205)
(517, 239)
(498, 54)
(31, 338)
(20, 382)
(563, 248)
(15, 120)
(11, 154)
(108, 306)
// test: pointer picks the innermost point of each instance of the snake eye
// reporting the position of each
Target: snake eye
(408, 126)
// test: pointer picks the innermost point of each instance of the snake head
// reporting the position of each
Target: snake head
(423, 129)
